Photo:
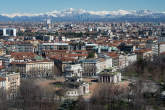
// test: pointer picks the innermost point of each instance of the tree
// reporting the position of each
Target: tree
(91, 55)
(33, 97)
(3, 99)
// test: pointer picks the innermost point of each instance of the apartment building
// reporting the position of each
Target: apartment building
(126, 59)
(144, 53)
(2, 82)
(10, 82)
(26, 47)
(53, 46)
(115, 59)
(33, 68)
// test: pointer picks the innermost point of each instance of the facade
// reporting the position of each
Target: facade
(162, 47)
(126, 60)
(157, 47)
(115, 59)
(110, 76)
(6, 60)
(74, 70)
(80, 90)
(93, 67)
(33, 68)
(25, 48)
(10, 82)
(2, 51)
(2, 83)
(162, 37)
(131, 58)
(8, 32)
(53, 46)
(144, 53)
(77, 46)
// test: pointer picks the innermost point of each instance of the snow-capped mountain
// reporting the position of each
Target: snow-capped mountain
(85, 15)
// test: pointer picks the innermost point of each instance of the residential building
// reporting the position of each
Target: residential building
(26, 47)
(10, 83)
(115, 59)
(34, 68)
(2, 83)
(144, 53)
(8, 32)
(53, 46)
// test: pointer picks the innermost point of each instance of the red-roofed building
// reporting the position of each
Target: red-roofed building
(143, 53)
(22, 56)
(2, 82)
(115, 59)
(33, 68)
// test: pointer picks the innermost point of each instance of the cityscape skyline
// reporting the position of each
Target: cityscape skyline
(41, 6)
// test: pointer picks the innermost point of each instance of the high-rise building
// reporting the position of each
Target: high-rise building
(8, 32)
(48, 22)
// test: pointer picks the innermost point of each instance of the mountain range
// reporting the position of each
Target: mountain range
(81, 15)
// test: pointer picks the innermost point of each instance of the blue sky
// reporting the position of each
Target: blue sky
(36, 6)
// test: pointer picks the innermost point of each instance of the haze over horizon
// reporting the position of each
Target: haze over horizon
(42, 6)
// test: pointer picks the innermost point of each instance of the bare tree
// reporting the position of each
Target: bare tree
(34, 97)
(3, 100)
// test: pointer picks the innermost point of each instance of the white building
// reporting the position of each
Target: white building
(162, 37)
(93, 67)
(131, 58)
(126, 60)
(110, 76)
(162, 47)
(8, 32)
(74, 70)
(80, 90)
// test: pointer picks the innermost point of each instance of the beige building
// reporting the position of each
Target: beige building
(144, 53)
(33, 68)
(79, 89)
(11, 83)
(110, 76)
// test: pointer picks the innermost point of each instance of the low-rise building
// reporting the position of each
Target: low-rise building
(110, 76)
(34, 68)
(74, 70)
(115, 59)
(77, 89)
(93, 67)
(144, 53)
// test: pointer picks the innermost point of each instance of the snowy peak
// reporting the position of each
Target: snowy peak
(120, 12)
(72, 14)
(72, 11)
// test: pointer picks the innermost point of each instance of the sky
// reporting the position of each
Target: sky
(41, 6)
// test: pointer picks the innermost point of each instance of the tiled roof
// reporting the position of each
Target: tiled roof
(113, 54)
(23, 55)
(2, 79)
(142, 50)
